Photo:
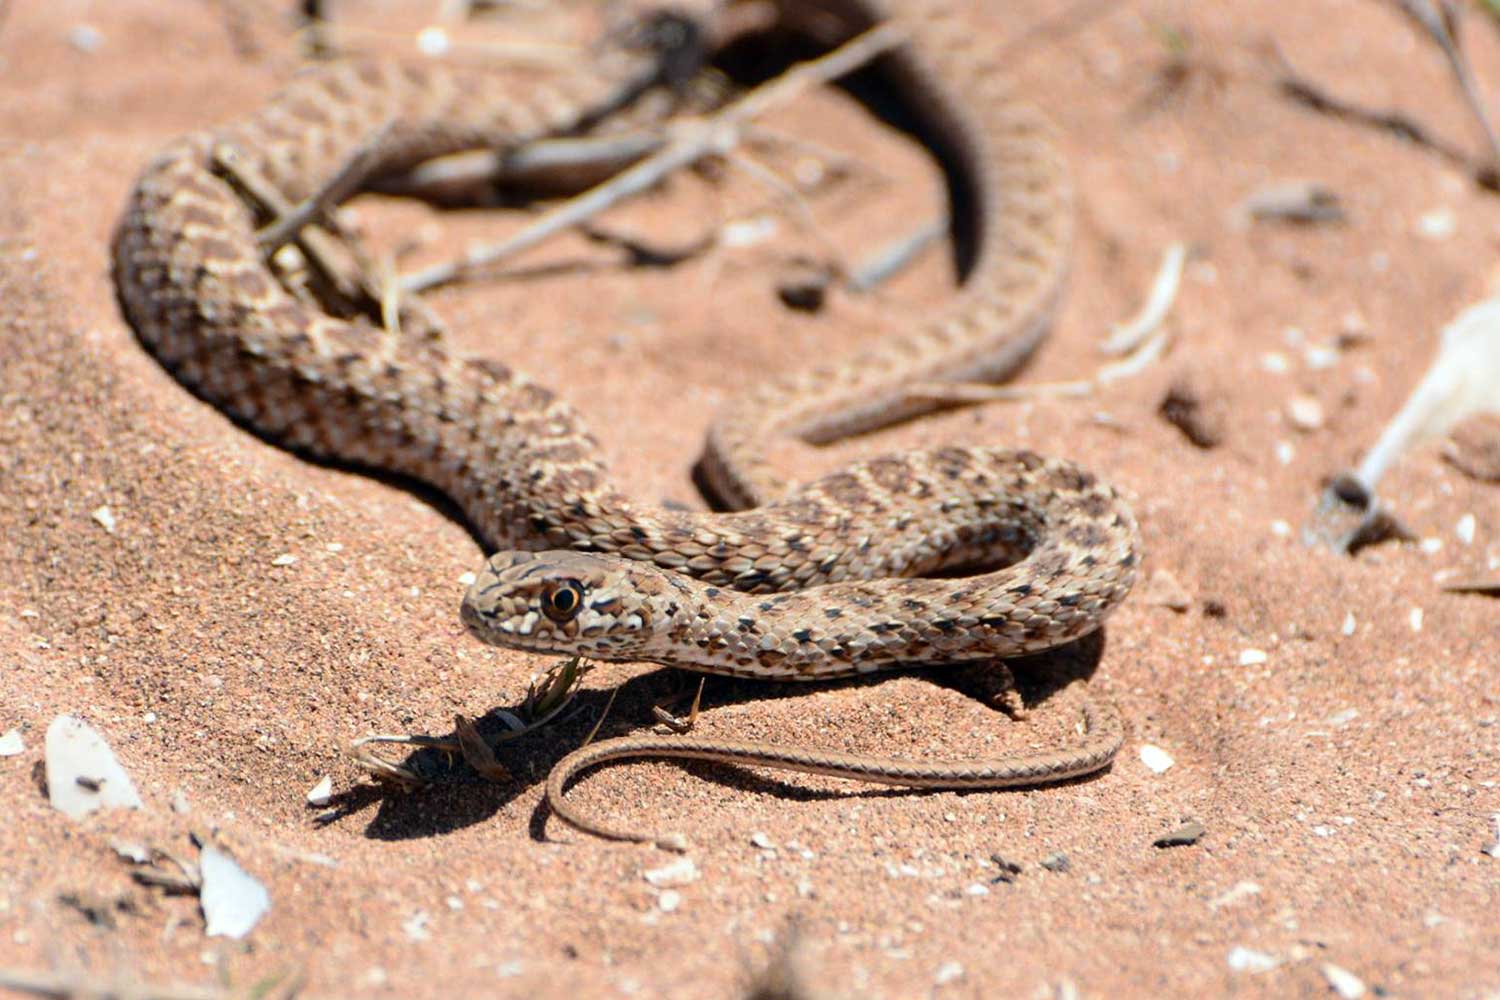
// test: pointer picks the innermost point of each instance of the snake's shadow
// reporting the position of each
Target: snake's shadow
(456, 797)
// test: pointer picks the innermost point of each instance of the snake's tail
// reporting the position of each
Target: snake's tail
(1104, 735)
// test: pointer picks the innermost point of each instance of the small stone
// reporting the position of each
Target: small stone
(1056, 862)
(1430, 546)
(1242, 959)
(1345, 983)
(285, 559)
(1274, 362)
(1008, 870)
(1281, 529)
(233, 901)
(1353, 330)
(669, 900)
(1285, 452)
(11, 744)
(1349, 624)
(947, 973)
(82, 772)
(1252, 657)
(804, 286)
(1164, 591)
(416, 926)
(433, 42)
(1414, 619)
(321, 793)
(1156, 759)
(1465, 529)
(1305, 413)
(334, 547)
(977, 889)
(467, 580)
(1317, 357)
(681, 871)
(86, 39)
(1438, 224)
(1186, 835)
(133, 851)
(762, 841)
(105, 517)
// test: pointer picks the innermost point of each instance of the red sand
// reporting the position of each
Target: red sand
(1351, 778)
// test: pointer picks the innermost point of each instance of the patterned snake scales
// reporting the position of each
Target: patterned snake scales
(829, 579)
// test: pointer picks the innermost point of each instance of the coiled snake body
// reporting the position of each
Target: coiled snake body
(825, 580)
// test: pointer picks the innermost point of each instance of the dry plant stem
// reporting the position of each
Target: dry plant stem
(896, 256)
(1439, 25)
(1314, 96)
(289, 224)
(717, 134)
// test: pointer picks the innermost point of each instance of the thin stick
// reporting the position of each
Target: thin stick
(895, 256)
(314, 208)
(1438, 24)
(718, 133)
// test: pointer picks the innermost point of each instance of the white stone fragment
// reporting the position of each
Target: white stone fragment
(761, 840)
(233, 901)
(1252, 657)
(1438, 224)
(433, 42)
(82, 772)
(11, 744)
(1349, 623)
(1345, 983)
(669, 900)
(1414, 619)
(748, 232)
(416, 926)
(681, 871)
(1274, 362)
(1285, 452)
(1242, 959)
(467, 580)
(86, 39)
(1431, 546)
(1320, 356)
(1281, 529)
(1305, 413)
(1465, 529)
(1156, 759)
(321, 793)
(105, 517)
(285, 559)
(947, 973)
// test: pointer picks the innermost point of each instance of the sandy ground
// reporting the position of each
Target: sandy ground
(1346, 780)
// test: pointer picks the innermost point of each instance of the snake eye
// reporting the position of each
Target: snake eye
(563, 601)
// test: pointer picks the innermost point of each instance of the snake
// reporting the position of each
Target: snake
(946, 555)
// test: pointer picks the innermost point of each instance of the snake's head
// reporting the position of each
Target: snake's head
(572, 603)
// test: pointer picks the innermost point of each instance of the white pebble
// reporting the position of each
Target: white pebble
(433, 42)
(233, 900)
(1281, 529)
(1252, 657)
(1438, 224)
(948, 972)
(86, 39)
(748, 232)
(669, 900)
(681, 871)
(105, 517)
(977, 889)
(467, 580)
(1465, 529)
(1431, 546)
(1320, 356)
(415, 926)
(1155, 758)
(321, 793)
(1349, 624)
(1242, 959)
(1305, 413)
(762, 841)
(82, 772)
(1274, 362)
(1285, 452)
(334, 547)
(285, 559)
(1345, 983)
(12, 744)
(1415, 619)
